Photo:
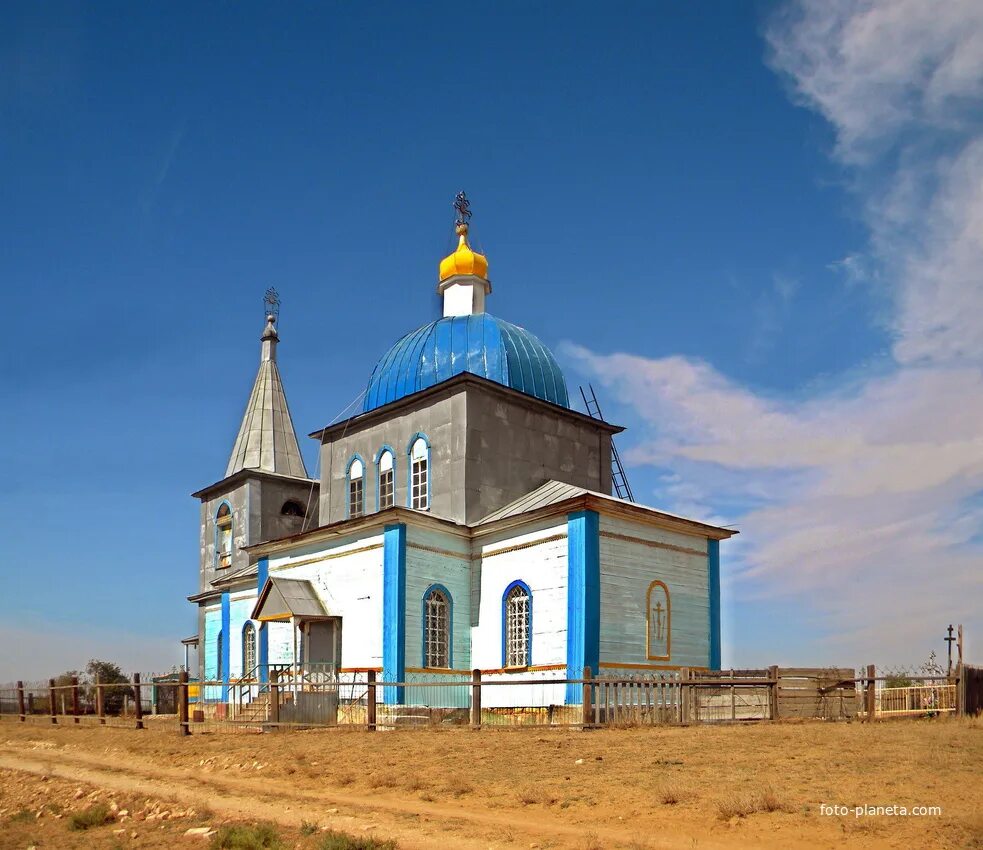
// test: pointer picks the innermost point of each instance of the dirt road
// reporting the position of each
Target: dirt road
(747, 786)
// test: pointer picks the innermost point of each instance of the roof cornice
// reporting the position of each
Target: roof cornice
(243, 475)
(448, 386)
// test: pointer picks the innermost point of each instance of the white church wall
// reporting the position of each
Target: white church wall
(347, 577)
(537, 555)
(633, 555)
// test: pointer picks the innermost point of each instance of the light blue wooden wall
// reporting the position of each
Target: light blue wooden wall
(628, 566)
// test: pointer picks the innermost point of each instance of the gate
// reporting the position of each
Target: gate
(971, 685)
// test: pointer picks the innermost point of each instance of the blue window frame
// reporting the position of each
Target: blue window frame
(517, 625)
(223, 536)
(438, 628)
(385, 478)
(355, 475)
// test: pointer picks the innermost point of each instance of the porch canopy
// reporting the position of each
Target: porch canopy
(288, 599)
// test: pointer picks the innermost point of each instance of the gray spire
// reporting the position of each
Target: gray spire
(267, 439)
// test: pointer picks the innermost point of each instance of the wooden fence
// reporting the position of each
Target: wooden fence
(281, 701)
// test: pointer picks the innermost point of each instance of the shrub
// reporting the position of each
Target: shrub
(342, 841)
(308, 828)
(736, 807)
(96, 815)
(262, 836)
(23, 816)
(669, 796)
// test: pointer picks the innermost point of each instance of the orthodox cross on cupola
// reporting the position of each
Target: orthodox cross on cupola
(463, 207)
(463, 280)
(271, 304)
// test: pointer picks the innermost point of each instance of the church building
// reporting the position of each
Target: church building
(464, 519)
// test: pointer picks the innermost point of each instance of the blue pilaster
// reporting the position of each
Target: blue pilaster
(226, 643)
(583, 598)
(394, 611)
(262, 574)
(713, 564)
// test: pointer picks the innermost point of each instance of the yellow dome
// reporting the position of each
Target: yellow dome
(464, 260)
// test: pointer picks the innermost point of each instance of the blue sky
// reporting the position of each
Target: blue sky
(745, 224)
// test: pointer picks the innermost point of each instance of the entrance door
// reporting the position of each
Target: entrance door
(323, 642)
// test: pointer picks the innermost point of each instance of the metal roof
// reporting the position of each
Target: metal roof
(555, 492)
(267, 439)
(481, 344)
(283, 598)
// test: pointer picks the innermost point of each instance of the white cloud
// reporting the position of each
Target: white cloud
(865, 500)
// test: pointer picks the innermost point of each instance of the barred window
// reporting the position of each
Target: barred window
(356, 488)
(437, 629)
(248, 649)
(387, 488)
(420, 475)
(223, 536)
(518, 616)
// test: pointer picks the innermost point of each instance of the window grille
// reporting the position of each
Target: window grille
(420, 476)
(356, 491)
(437, 634)
(517, 610)
(387, 484)
(248, 649)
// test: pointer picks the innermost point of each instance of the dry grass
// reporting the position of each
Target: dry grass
(96, 815)
(382, 780)
(670, 795)
(458, 786)
(736, 807)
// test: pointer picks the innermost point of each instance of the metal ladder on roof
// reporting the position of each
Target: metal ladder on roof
(618, 477)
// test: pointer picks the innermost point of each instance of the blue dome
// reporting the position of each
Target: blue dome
(480, 344)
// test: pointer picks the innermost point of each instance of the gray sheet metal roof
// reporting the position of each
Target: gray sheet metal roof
(283, 598)
(242, 573)
(549, 493)
(267, 439)
(554, 492)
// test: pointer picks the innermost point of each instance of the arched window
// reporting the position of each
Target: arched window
(517, 625)
(356, 487)
(658, 622)
(387, 480)
(223, 536)
(219, 667)
(292, 508)
(420, 474)
(248, 649)
(437, 628)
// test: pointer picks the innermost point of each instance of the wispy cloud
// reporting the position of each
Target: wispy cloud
(865, 498)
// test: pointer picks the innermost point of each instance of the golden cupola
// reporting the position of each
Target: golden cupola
(464, 274)
(463, 260)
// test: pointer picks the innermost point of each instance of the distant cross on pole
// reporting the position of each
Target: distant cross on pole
(949, 641)
(463, 207)
(271, 303)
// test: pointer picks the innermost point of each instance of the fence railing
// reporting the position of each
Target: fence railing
(311, 696)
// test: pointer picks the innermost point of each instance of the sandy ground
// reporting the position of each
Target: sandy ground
(697, 787)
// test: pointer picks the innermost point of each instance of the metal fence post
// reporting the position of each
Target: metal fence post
(20, 702)
(137, 701)
(75, 698)
(275, 697)
(52, 706)
(684, 695)
(475, 699)
(871, 694)
(370, 701)
(585, 707)
(184, 728)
